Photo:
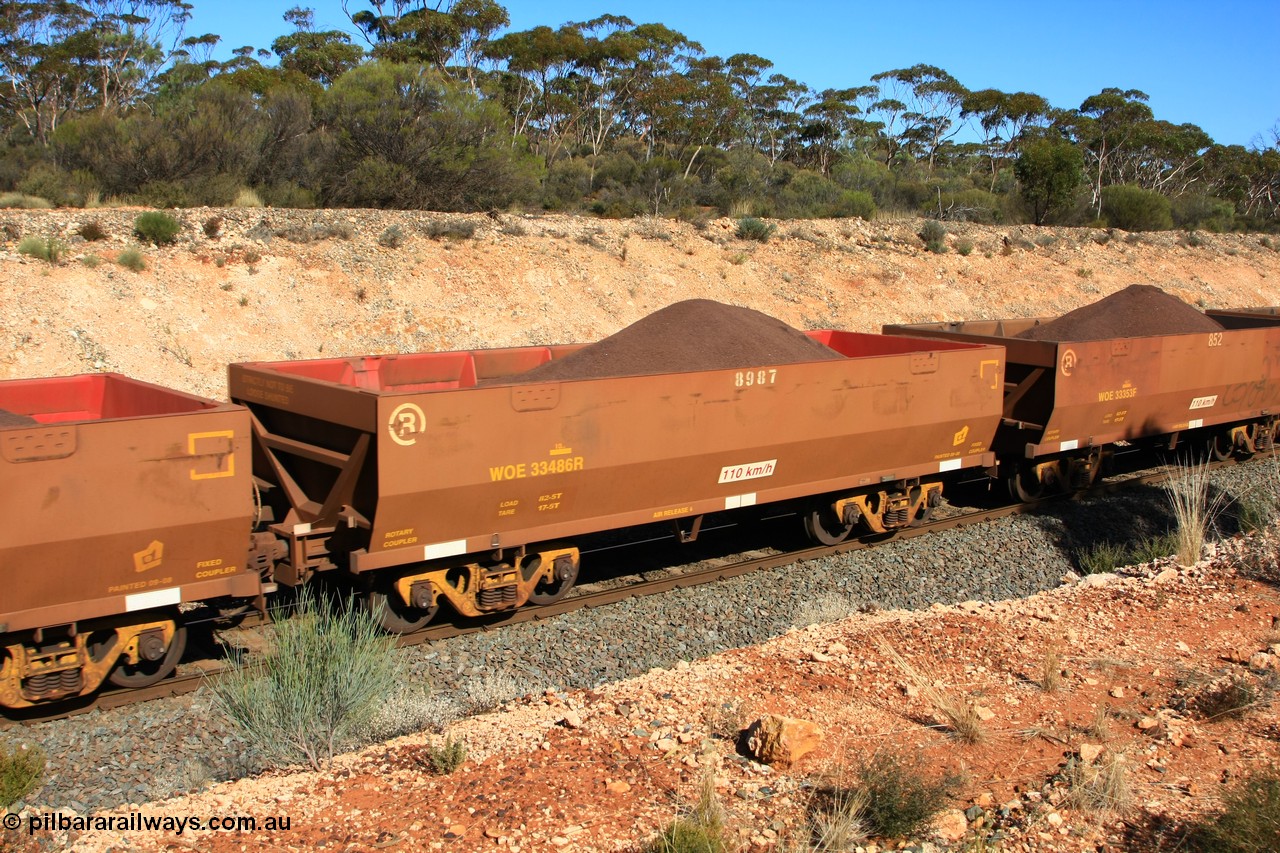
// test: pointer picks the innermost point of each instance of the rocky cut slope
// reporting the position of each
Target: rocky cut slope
(254, 284)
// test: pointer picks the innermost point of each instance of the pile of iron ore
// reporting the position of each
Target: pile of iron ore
(1137, 311)
(698, 334)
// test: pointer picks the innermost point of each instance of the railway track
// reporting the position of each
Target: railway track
(192, 676)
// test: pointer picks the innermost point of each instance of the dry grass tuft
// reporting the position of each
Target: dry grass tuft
(958, 716)
(1194, 509)
(1100, 786)
(1051, 670)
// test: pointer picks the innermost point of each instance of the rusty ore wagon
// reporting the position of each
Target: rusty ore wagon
(121, 501)
(1066, 403)
(445, 477)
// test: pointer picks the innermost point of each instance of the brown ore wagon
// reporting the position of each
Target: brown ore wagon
(452, 476)
(1067, 401)
(121, 500)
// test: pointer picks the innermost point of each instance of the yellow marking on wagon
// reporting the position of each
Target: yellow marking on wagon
(225, 455)
(149, 557)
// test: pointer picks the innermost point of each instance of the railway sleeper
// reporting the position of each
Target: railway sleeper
(37, 672)
(540, 577)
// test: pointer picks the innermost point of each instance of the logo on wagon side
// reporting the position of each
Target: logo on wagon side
(1068, 364)
(149, 557)
(406, 423)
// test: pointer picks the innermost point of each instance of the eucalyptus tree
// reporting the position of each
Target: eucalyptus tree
(927, 100)
(320, 56)
(1003, 117)
(777, 115)
(59, 57)
(449, 35)
(831, 125)
(1104, 126)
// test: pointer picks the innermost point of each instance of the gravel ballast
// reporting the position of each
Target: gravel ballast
(160, 748)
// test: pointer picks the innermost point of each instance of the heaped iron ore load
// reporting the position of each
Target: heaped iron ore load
(118, 498)
(427, 465)
(1137, 365)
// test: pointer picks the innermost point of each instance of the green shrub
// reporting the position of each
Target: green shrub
(964, 246)
(450, 229)
(1150, 548)
(23, 201)
(49, 249)
(934, 235)
(1135, 209)
(156, 227)
(900, 796)
(328, 670)
(392, 237)
(91, 261)
(20, 770)
(132, 259)
(751, 228)
(447, 757)
(1249, 821)
(701, 831)
(1200, 211)
(1255, 512)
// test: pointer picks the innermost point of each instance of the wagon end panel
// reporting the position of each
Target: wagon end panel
(119, 496)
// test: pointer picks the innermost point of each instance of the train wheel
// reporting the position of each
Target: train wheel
(1026, 485)
(148, 672)
(549, 592)
(922, 516)
(1221, 447)
(395, 617)
(823, 528)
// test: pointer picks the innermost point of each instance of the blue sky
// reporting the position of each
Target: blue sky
(1211, 64)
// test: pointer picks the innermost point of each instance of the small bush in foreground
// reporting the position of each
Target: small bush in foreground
(1249, 821)
(92, 231)
(750, 228)
(20, 770)
(392, 237)
(156, 227)
(900, 796)
(934, 235)
(700, 831)
(48, 249)
(24, 202)
(447, 757)
(1194, 509)
(132, 259)
(1100, 786)
(1229, 697)
(450, 229)
(323, 680)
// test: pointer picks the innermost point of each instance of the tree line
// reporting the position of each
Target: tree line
(444, 107)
